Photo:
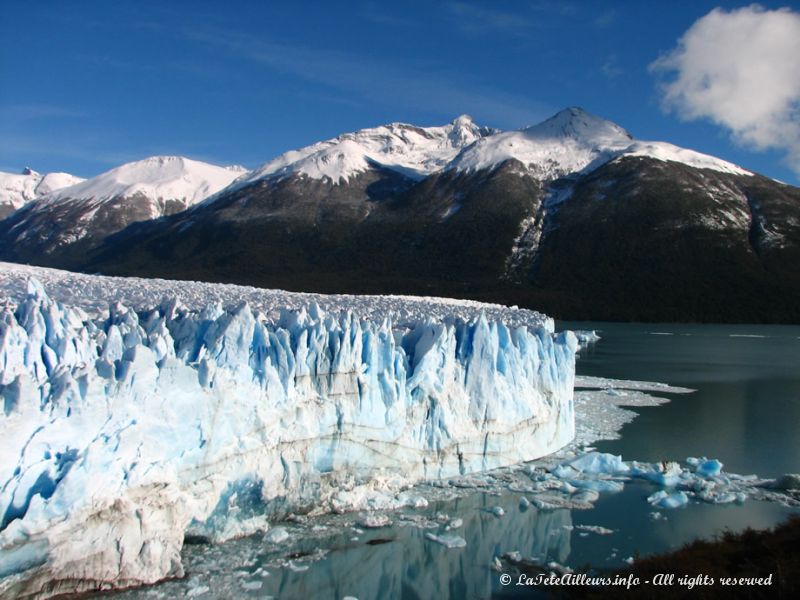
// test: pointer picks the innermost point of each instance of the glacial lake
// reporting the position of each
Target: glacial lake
(745, 412)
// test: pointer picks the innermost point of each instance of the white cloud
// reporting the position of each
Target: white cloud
(740, 69)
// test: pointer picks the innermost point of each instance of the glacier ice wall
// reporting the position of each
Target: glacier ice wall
(121, 433)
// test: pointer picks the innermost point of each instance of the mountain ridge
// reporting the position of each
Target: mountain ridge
(76, 218)
(572, 216)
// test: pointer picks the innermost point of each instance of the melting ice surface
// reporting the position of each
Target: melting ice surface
(126, 428)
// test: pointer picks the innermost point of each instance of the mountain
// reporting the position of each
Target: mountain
(573, 216)
(415, 152)
(18, 189)
(66, 222)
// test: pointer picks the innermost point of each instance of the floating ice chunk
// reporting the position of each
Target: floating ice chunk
(599, 463)
(447, 540)
(717, 498)
(564, 472)
(667, 474)
(497, 511)
(277, 535)
(586, 337)
(568, 488)
(628, 560)
(664, 499)
(411, 501)
(251, 586)
(708, 468)
(599, 485)
(373, 521)
(524, 503)
(595, 529)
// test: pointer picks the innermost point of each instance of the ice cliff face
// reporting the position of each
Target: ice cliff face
(123, 432)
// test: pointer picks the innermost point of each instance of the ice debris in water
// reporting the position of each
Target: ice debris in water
(447, 540)
(598, 529)
(586, 337)
(664, 499)
(276, 535)
(373, 521)
(700, 479)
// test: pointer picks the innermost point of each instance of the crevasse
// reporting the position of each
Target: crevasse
(121, 434)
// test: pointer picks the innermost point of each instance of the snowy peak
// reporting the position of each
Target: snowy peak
(568, 142)
(18, 189)
(414, 151)
(464, 131)
(574, 141)
(52, 182)
(91, 210)
(165, 178)
(582, 126)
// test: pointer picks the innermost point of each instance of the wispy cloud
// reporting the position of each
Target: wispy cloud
(741, 70)
(605, 18)
(391, 82)
(611, 67)
(472, 19)
(34, 111)
(375, 12)
(107, 61)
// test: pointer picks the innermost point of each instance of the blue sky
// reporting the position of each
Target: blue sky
(89, 85)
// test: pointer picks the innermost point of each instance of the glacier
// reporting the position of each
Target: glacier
(126, 429)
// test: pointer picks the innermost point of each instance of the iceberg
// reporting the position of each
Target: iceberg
(663, 499)
(123, 432)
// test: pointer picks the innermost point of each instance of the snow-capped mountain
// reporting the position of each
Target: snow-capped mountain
(16, 189)
(413, 151)
(90, 210)
(158, 178)
(574, 141)
(572, 215)
(571, 141)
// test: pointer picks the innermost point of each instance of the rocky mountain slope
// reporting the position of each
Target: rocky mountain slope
(62, 225)
(572, 216)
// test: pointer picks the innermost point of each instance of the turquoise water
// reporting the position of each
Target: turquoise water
(745, 412)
